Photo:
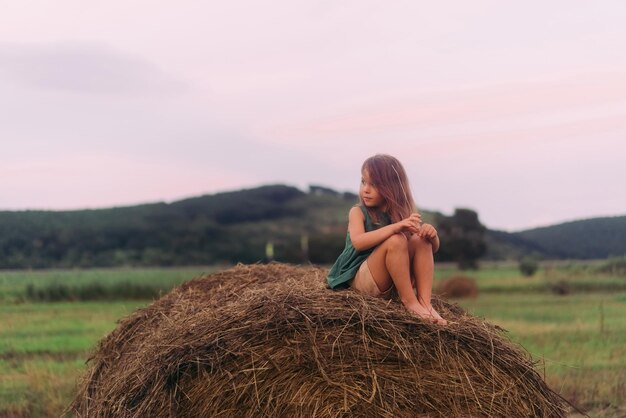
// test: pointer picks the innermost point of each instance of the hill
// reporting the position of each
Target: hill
(583, 239)
(220, 228)
(236, 227)
(224, 227)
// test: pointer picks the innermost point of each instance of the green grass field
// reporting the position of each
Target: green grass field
(43, 346)
(13, 283)
(578, 339)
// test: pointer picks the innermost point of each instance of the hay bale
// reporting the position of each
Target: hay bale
(457, 287)
(272, 340)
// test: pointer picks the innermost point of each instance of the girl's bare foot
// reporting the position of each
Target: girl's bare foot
(438, 319)
(428, 314)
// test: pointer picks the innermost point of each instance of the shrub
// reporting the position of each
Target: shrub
(458, 287)
(528, 266)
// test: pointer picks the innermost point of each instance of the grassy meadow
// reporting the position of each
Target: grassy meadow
(578, 338)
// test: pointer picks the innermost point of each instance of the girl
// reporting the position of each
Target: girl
(387, 246)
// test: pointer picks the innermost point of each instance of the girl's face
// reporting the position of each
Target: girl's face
(369, 193)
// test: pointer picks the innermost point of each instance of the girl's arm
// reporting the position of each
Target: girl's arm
(362, 240)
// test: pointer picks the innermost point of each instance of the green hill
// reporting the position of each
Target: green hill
(583, 239)
(236, 226)
(225, 227)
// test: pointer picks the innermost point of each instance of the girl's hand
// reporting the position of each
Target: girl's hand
(428, 231)
(410, 224)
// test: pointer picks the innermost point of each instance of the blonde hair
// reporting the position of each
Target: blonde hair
(390, 179)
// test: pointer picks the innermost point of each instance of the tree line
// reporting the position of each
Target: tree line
(222, 228)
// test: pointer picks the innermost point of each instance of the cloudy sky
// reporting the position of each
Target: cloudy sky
(514, 109)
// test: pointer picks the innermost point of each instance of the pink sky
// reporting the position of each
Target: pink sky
(515, 110)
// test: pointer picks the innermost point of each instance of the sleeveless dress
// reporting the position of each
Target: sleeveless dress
(350, 259)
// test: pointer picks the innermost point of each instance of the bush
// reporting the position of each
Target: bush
(458, 287)
(528, 266)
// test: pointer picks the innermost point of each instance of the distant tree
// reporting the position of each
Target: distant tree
(528, 266)
(321, 190)
(462, 238)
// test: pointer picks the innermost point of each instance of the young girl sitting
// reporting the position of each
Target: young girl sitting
(387, 245)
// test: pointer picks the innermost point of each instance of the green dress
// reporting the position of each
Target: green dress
(350, 259)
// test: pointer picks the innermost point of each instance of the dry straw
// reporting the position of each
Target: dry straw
(457, 287)
(273, 341)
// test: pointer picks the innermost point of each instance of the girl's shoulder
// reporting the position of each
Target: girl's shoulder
(367, 213)
(375, 218)
(358, 209)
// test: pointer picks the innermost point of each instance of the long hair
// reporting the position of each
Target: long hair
(391, 181)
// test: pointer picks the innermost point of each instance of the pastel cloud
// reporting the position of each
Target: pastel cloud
(90, 181)
(470, 105)
(84, 67)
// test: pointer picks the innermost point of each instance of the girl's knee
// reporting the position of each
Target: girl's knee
(397, 241)
(416, 241)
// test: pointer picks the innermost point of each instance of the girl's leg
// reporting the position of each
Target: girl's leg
(389, 264)
(423, 269)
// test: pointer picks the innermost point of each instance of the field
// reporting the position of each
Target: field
(578, 339)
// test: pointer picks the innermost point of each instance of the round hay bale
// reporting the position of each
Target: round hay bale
(272, 340)
(457, 287)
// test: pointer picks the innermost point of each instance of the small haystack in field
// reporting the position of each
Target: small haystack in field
(272, 340)
(457, 287)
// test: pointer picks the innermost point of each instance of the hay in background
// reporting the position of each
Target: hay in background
(272, 340)
(457, 287)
